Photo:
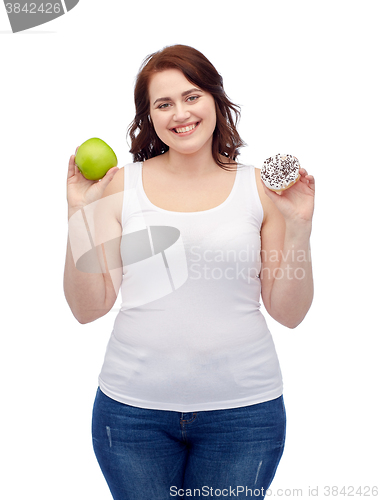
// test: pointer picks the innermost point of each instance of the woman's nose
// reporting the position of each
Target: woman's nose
(181, 114)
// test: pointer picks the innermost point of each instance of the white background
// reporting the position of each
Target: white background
(306, 76)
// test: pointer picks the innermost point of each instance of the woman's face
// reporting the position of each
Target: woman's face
(183, 115)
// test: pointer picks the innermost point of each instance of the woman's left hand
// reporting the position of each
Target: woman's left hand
(297, 202)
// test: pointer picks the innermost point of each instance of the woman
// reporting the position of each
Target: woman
(190, 398)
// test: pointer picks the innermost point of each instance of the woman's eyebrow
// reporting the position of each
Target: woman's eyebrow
(187, 92)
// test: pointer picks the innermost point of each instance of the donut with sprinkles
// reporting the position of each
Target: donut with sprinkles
(279, 172)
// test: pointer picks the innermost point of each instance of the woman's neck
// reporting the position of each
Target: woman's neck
(191, 165)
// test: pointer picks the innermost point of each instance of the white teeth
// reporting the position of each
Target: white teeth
(185, 129)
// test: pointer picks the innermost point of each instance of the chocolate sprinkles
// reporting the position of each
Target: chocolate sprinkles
(279, 171)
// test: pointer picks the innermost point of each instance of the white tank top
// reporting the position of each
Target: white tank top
(189, 335)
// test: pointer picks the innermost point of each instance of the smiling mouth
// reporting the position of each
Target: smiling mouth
(184, 130)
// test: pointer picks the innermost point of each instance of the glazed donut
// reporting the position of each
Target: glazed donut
(280, 172)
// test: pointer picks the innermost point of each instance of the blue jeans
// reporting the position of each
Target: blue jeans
(161, 455)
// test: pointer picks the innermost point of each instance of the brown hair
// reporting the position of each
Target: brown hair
(145, 143)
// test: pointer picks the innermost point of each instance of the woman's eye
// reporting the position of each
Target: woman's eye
(163, 106)
(191, 98)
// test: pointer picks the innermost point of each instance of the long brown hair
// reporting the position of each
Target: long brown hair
(145, 143)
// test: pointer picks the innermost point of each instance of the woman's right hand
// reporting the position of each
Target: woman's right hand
(81, 191)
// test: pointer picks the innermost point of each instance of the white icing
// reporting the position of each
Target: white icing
(279, 171)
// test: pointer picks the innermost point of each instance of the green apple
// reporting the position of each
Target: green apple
(94, 158)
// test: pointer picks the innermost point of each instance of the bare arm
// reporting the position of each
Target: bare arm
(92, 289)
(286, 274)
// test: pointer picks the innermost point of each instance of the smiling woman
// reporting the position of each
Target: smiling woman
(190, 392)
(201, 78)
(186, 120)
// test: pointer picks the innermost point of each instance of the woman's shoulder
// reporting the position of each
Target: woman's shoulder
(117, 183)
(266, 203)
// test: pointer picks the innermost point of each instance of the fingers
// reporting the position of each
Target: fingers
(112, 171)
(306, 178)
(311, 182)
(76, 166)
(73, 167)
(109, 176)
(304, 173)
